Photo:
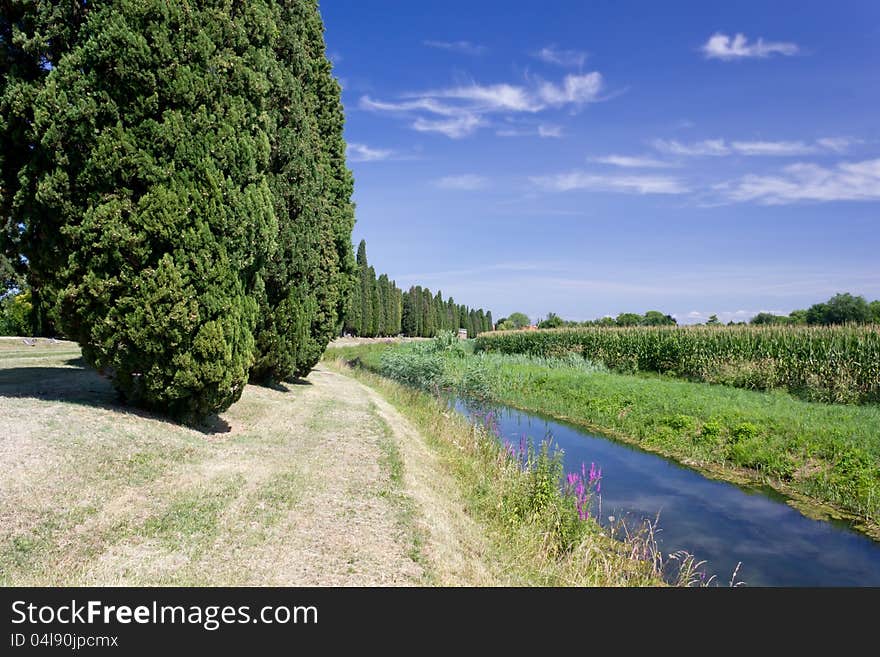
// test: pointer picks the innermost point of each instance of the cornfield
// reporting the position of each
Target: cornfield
(838, 364)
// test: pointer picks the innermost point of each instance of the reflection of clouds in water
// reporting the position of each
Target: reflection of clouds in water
(713, 520)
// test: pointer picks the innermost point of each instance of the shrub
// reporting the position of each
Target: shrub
(415, 367)
(744, 431)
(711, 431)
(15, 314)
(679, 422)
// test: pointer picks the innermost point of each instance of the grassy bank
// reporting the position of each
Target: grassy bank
(827, 457)
(536, 532)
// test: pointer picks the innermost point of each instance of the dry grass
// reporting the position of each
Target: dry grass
(291, 486)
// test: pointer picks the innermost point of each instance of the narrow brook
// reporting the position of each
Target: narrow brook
(718, 522)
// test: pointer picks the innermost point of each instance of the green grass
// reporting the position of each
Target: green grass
(828, 453)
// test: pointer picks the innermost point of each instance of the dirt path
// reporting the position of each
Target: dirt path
(321, 483)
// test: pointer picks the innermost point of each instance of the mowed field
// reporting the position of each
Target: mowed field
(319, 482)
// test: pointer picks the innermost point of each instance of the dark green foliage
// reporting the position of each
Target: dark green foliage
(553, 321)
(656, 318)
(174, 172)
(33, 37)
(379, 308)
(629, 319)
(840, 309)
(514, 322)
(768, 319)
(305, 285)
(150, 181)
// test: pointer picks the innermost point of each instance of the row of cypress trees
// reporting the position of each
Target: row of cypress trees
(174, 184)
(377, 307)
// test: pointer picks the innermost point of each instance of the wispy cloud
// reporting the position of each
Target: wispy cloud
(462, 47)
(464, 108)
(773, 148)
(467, 182)
(632, 162)
(706, 147)
(848, 181)
(364, 153)
(720, 147)
(629, 184)
(454, 128)
(561, 57)
(542, 130)
(837, 144)
(553, 131)
(727, 48)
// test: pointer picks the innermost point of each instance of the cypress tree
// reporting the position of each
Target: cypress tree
(306, 284)
(33, 37)
(149, 178)
(437, 310)
(408, 322)
(333, 277)
(398, 294)
(366, 290)
(376, 303)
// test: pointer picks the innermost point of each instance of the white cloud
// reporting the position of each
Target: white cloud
(426, 104)
(781, 148)
(554, 131)
(462, 47)
(454, 128)
(632, 184)
(848, 181)
(575, 89)
(467, 182)
(720, 147)
(566, 58)
(543, 130)
(494, 97)
(632, 162)
(724, 47)
(714, 147)
(364, 153)
(837, 144)
(467, 107)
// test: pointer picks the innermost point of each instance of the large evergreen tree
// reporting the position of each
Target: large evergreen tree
(149, 176)
(303, 288)
(173, 179)
(33, 37)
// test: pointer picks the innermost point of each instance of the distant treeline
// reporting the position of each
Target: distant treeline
(377, 307)
(842, 308)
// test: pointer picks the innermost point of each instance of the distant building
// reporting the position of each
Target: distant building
(462, 334)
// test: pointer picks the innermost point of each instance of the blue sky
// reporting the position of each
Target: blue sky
(592, 158)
